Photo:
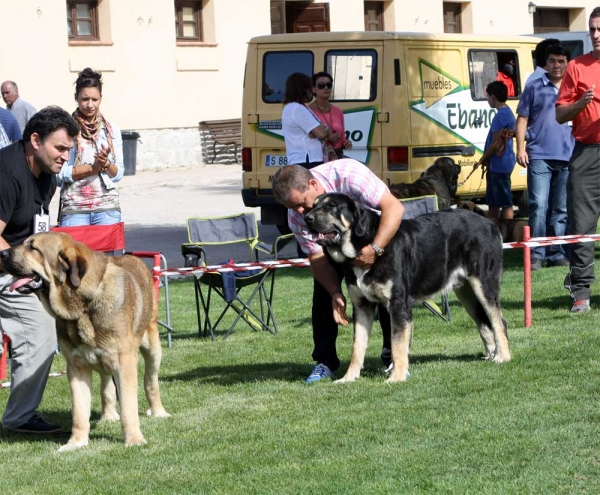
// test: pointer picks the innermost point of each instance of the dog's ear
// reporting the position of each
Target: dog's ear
(74, 265)
(360, 219)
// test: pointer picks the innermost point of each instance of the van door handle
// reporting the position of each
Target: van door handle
(383, 117)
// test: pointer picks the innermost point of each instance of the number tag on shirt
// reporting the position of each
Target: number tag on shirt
(41, 223)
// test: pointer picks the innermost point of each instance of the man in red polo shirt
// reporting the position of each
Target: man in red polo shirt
(579, 101)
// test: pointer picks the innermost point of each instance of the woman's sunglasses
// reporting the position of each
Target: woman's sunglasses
(325, 85)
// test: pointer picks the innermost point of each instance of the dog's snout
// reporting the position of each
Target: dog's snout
(309, 218)
(4, 254)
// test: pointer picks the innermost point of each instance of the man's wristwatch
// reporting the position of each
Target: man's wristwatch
(377, 249)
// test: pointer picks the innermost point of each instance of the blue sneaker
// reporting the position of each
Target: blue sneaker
(319, 372)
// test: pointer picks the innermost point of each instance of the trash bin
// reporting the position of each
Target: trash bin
(130, 139)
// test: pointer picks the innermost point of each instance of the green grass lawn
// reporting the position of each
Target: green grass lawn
(243, 421)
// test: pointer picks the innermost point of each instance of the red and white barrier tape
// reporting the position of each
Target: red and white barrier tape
(51, 375)
(549, 241)
(236, 267)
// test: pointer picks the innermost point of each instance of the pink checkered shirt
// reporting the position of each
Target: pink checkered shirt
(345, 176)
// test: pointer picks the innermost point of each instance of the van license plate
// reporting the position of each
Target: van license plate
(275, 160)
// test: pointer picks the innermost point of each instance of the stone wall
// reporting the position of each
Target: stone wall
(183, 147)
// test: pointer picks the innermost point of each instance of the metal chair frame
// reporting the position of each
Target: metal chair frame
(194, 252)
(413, 208)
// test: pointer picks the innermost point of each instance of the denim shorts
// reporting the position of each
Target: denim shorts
(96, 218)
(498, 194)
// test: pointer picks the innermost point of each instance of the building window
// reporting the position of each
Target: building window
(452, 12)
(550, 20)
(82, 19)
(188, 20)
(374, 16)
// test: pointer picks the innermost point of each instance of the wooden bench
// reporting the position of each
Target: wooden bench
(225, 132)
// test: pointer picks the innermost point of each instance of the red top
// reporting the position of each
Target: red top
(581, 73)
(510, 84)
(334, 119)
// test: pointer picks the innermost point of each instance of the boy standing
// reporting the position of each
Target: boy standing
(499, 149)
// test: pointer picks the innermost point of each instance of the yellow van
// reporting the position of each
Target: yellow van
(408, 98)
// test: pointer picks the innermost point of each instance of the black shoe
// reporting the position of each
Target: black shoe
(560, 262)
(536, 264)
(36, 425)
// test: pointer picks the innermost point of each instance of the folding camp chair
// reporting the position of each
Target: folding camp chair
(241, 228)
(413, 207)
(111, 238)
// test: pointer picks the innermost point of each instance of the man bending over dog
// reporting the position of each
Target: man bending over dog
(27, 185)
(297, 188)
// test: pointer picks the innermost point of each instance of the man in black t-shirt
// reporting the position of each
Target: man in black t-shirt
(27, 184)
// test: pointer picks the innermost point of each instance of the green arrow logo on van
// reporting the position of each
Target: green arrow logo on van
(435, 84)
(449, 105)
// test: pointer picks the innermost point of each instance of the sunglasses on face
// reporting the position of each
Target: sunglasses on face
(325, 85)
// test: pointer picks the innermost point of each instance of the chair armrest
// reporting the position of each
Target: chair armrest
(278, 244)
(194, 254)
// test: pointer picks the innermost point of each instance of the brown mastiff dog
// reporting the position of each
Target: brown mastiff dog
(440, 179)
(105, 311)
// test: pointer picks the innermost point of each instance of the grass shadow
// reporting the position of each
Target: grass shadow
(294, 372)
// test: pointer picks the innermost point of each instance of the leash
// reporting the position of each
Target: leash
(498, 147)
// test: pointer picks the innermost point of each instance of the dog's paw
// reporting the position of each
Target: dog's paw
(110, 416)
(498, 359)
(134, 440)
(158, 414)
(398, 377)
(347, 379)
(72, 446)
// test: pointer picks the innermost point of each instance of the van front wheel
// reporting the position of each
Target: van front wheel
(521, 201)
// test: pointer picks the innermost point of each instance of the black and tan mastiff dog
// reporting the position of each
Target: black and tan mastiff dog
(105, 311)
(450, 249)
(440, 179)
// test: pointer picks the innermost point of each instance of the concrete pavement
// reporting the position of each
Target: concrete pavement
(166, 197)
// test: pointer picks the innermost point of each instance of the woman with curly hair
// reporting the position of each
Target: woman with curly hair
(89, 195)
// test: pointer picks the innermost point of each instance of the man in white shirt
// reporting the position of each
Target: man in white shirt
(4, 141)
(22, 110)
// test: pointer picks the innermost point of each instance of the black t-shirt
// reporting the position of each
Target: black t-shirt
(21, 194)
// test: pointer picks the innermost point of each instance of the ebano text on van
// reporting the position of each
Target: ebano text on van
(476, 117)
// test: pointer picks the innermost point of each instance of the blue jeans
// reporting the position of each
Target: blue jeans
(547, 186)
(98, 218)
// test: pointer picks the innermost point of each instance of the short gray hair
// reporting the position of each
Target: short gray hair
(290, 178)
